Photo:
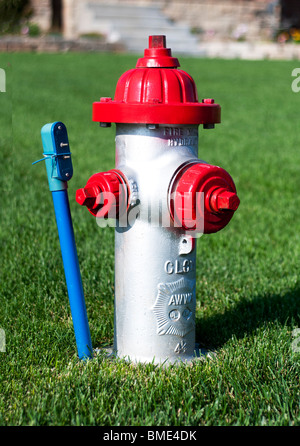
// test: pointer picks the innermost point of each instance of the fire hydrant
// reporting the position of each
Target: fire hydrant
(161, 198)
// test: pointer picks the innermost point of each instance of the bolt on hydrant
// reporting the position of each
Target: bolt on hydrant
(161, 197)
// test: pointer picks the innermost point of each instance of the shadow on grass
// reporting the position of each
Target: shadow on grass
(248, 315)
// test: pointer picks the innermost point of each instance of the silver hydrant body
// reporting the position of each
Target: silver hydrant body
(155, 297)
(162, 197)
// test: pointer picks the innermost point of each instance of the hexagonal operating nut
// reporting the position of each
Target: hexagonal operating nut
(86, 196)
(227, 200)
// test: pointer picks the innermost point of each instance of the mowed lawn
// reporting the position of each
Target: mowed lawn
(248, 288)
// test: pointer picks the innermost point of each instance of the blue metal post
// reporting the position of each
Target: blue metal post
(57, 157)
(72, 272)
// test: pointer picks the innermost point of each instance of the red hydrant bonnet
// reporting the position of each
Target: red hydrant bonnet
(156, 92)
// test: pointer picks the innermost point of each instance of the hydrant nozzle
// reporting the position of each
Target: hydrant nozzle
(203, 198)
(105, 194)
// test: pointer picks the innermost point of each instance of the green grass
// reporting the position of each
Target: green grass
(248, 290)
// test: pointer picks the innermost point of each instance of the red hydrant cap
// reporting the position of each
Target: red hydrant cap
(105, 194)
(156, 92)
(203, 198)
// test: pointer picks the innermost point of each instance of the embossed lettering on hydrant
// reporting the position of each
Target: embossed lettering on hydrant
(175, 307)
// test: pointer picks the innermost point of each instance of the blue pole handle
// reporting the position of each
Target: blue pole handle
(59, 168)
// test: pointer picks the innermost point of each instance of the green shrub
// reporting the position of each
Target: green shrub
(11, 14)
(34, 30)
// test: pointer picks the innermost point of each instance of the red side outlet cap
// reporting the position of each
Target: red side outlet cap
(203, 198)
(105, 194)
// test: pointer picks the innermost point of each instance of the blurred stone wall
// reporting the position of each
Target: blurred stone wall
(249, 20)
(237, 20)
(42, 14)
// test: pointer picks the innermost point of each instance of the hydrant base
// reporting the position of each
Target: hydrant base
(201, 354)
